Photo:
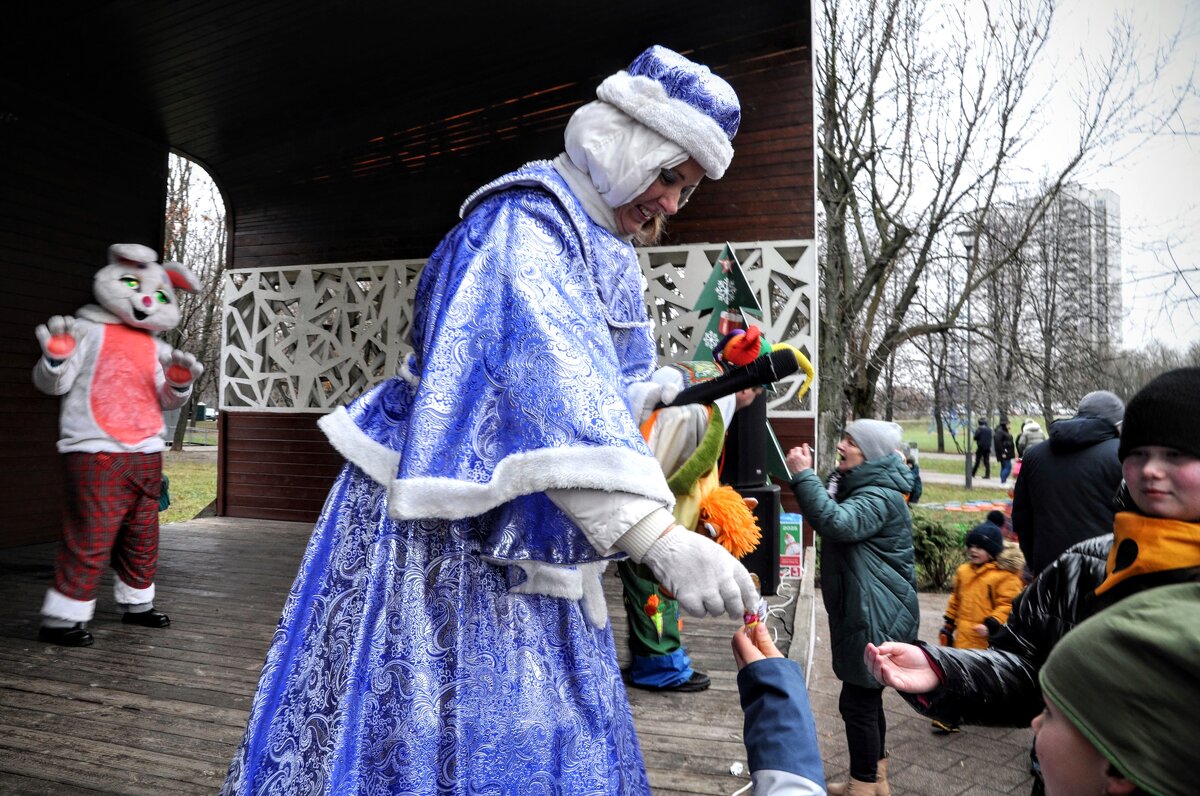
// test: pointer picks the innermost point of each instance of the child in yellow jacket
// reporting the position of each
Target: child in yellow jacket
(984, 589)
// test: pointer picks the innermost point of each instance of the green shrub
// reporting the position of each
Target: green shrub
(939, 551)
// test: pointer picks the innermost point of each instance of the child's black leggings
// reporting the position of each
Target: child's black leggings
(866, 728)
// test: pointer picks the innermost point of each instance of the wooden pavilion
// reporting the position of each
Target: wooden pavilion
(338, 133)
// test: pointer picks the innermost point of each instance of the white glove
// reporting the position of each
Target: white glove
(645, 396)
(702, 575)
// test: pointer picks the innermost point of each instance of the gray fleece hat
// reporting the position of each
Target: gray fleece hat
(1104, 405)
(875, 438)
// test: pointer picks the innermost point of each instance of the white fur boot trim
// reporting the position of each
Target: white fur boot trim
(127, 595)
(59, 606)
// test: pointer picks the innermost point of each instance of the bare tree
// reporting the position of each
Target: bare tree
(923, 111)
(196, 235)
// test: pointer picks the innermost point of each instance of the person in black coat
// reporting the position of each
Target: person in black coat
(983, 449)
(1065, 491)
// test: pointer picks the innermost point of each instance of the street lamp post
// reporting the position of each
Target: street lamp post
(967, 237)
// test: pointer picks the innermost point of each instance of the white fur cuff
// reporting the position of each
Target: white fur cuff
(125, 594)
(59, 606)
(376, 460)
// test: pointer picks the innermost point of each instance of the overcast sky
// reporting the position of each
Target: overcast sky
(1157, 179)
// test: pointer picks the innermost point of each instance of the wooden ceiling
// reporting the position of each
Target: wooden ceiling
(301, 91)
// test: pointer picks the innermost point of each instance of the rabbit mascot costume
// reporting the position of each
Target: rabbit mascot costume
(115, 377)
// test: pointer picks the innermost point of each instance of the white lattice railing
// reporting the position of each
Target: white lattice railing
(314, 337)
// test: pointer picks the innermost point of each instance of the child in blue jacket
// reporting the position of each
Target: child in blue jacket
(779, 732)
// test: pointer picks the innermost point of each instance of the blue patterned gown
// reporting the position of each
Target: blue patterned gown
(403, 663)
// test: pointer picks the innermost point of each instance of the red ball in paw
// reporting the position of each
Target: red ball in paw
(178, 375)
(61, 345)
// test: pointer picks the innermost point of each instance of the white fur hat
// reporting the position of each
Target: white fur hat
(681, 100)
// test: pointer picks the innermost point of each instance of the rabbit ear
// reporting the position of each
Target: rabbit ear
(181, 277)
(134, 254)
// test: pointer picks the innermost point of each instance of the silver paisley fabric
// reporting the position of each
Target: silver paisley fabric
(403, 663)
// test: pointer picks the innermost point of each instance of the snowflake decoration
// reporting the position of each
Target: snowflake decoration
(711, 339)
(726, 290)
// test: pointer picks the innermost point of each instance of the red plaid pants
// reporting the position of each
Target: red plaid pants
(111, 514)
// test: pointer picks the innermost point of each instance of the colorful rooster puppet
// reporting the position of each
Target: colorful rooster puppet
(115, 377)
(688, 442)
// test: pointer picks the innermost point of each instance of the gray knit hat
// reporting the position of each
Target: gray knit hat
(875, 438)
(1102, 404)
(1129, 680)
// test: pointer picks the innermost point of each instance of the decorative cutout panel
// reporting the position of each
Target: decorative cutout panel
(783, 276)
(317, 336)
(313, 337)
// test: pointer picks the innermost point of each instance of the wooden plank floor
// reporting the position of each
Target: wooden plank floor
(162, 711)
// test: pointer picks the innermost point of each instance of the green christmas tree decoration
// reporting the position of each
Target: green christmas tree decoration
(729, 303)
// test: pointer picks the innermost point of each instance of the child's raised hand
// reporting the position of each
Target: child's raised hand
(753, 643)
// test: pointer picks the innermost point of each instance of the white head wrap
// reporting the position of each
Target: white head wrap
(621, 155)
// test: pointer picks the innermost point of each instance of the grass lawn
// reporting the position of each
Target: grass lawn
(193, 477)
(948, 466)
(921, 432)
(946, 493)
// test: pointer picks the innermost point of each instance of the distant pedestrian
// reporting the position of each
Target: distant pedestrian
(1000, 520)
(1005, 451)
(983, 449)
(1031, 434)
(1066, 489)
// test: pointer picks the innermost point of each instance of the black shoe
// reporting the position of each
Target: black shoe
(151, 618)
(74, 636)
(699, 681)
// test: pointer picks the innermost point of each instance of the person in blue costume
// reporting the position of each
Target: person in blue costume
(447, 631)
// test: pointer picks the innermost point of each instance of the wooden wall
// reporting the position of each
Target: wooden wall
(277, 465)
(274, 465)
(69, 188)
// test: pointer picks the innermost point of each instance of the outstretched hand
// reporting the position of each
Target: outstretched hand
(903, 667)
(753, 643)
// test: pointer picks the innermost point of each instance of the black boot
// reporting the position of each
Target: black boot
(151, 618)
(76, 635)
